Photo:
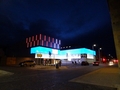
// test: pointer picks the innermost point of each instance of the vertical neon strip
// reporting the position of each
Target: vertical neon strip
(36, 37)
(49, 39)
(37, 42)
(27, 45)
(44, 38)
(32, 38)
(46, 43)
(30, 44)
(59, 41)
(50, 44)
(58, 46)
(54, 45)
(40, 36)
(34, 43)
(29, 39)
(53, 40)
(42, 42)
(56, 41)
(26, 40)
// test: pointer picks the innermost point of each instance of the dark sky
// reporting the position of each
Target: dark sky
(76, 22)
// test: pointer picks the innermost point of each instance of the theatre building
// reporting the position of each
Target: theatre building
(47, 50)
(43, 48)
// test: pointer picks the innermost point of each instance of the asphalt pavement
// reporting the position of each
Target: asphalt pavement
(5, 73)
(107, 76)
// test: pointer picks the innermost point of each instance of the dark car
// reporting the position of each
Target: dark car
(84, 63)
(95, 63)
(27, 63)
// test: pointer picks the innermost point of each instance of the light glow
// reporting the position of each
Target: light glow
(63, 54)
(43, 50)
(78, 51)
(111, 63)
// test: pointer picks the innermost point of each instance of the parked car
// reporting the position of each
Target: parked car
(84, 63)
(27, 63)
(96, 63)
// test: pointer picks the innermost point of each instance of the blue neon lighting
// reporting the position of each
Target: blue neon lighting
(78, 51)
(45, 50)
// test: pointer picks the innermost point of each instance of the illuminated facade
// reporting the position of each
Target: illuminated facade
(43, 40)
(50, 49)
(70, 54)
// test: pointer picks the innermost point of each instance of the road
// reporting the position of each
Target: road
(32, 78)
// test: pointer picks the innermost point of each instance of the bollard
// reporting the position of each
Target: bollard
(57, 66)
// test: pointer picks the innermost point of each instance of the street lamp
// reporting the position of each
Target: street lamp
(99, 53)
(94, 45)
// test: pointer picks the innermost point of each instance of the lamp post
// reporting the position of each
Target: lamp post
(94, 45)
(99, 53)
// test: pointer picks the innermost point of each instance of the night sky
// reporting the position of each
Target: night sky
(78, 23)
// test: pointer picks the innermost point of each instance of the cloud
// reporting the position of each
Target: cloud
(64, 19)
(44, 27)
(10, 32)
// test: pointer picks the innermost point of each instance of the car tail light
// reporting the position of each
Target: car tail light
(117, 61)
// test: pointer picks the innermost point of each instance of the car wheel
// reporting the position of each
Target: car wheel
(20, 65)
(25, 65)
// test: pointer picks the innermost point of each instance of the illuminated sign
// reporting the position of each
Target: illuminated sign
(39, 55)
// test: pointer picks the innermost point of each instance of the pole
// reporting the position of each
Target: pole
(94, 45)
(99, 54)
